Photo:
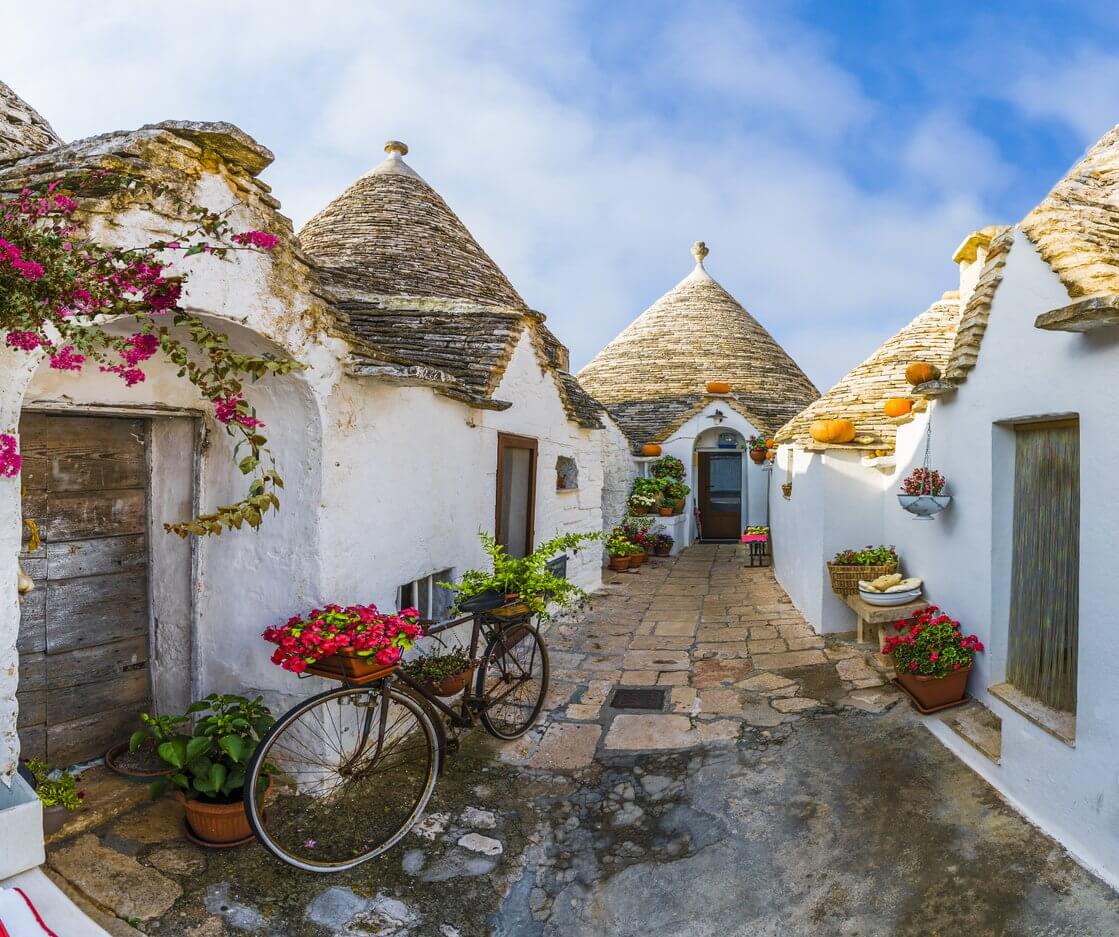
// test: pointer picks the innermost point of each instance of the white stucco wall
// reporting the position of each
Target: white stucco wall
(964, 554)
(619, 468)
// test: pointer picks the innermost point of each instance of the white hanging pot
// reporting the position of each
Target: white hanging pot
(924, 506)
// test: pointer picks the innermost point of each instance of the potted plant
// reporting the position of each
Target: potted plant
(923, 493)
(57, 791)
(536, 587)
(617, 546)
(849, 566)
(641, 504)
(441, 674)
(636, 556)
(662, 543)
(669, 467)
(355, 642)
(210, 766)
(666, 508)
(932, 658)
(759, 451)
(676, 492)
(139, 757)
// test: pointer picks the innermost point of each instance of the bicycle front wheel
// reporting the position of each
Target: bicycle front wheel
(513, 681)
(342, 777)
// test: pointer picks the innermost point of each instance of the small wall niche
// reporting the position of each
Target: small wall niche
(567, 474)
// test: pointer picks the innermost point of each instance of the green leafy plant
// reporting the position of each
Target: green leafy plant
(870, 556)
(436, 667)
(931, 644)
(55, 788)
(676, 490)
(667, 466)
(155, 731)
(618, 544)
(528, 577)
(212, 763)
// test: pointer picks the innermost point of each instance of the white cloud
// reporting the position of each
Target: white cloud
(586, 169)
(1081, 91)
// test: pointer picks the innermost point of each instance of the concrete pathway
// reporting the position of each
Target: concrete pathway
(779, 789)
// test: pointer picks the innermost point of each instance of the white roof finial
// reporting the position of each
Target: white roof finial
(699, 251)
(396, 148)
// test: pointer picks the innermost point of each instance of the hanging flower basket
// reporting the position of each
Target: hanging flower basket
(924, 506)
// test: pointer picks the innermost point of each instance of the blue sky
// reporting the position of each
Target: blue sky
(831, 154)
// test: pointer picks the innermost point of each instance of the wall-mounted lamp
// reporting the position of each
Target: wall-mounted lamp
(718, 416)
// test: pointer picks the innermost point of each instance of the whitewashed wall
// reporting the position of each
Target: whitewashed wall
(619, 468)
(964, 554)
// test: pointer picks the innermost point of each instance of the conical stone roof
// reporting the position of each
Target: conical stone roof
(652, 377)
(391, 234)
(23, 130)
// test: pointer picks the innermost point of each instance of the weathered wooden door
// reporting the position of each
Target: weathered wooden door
(720, 495)
(83, 639)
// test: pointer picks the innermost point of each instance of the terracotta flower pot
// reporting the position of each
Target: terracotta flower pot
(451, 685)
(638, 512)
(53, 818)
(633, 561)
(678, 504)
(619, 563)
(665, 550)
(346, 665)
(217, 824)
(936, 692)
(126, 763)
(757, 455)
(667, 511)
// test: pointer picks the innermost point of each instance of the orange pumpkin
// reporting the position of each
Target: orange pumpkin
(771, 444)
(718, 387)
(920, 372)
(832, 431)
(897, 406)
(650, 449)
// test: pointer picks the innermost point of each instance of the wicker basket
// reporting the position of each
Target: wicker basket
(845, 579)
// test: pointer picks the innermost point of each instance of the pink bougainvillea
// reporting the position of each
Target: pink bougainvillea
(55, 279)
(10, 459)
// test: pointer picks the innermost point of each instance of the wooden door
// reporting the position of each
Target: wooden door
(516, 493)
(720, 495)
(83, 638)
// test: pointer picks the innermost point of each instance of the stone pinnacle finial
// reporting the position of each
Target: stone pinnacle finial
(699, 251)
(396, 148)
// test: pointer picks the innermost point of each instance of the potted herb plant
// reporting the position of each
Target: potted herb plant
(139, 756)
(57, 791)
(210, 766)
(849, 566)
(662, 543)
(441, 674)
(923, 493)
(676, 493)
(669, 467)
(932, 658)
(759, 451)
(536, 587)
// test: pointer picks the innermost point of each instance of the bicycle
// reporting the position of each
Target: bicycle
(343, 776)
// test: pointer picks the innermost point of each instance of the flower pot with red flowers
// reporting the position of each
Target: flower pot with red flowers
(355, 644)
(924, 493)
(933, 658)
(759, 451)
(210, 766)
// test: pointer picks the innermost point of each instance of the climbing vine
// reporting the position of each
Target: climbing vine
(60, 287)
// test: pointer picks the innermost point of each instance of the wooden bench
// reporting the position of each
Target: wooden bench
(881, 616)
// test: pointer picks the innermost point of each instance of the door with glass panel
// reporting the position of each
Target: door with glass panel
(516, 492)
(720, 495)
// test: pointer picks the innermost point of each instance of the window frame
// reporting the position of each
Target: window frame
(513, 441)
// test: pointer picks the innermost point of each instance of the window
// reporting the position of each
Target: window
(516, 493)
(1045, 580)
(433, 601)
(567, 474)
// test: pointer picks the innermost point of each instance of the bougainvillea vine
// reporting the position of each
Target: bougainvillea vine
(60, 287)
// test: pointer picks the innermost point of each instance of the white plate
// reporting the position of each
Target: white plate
(890, 598)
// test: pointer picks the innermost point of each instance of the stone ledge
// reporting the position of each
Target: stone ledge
(1061, 726)
(1095, 312)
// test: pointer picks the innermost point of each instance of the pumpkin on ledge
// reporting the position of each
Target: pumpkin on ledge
(897, 406)
(650, 450)
(921, 372)
(718, 387)
(835, 432)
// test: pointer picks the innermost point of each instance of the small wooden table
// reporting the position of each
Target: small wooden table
(881, 615)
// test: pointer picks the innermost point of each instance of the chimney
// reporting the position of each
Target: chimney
(970, 256)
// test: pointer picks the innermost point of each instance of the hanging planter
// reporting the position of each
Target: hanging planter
(925, 492)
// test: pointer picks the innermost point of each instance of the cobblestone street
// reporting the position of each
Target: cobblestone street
(779, 790)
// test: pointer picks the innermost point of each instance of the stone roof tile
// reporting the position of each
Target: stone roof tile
(23, 130)
(860, 394)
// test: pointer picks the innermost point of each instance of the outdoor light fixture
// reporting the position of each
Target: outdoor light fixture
(718, 416)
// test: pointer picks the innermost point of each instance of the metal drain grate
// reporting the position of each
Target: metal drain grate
(635, 698)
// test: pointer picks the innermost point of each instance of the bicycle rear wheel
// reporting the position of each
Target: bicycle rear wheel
(353, 769)
(512, 681)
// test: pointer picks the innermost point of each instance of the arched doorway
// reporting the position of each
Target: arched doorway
(721, 484)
